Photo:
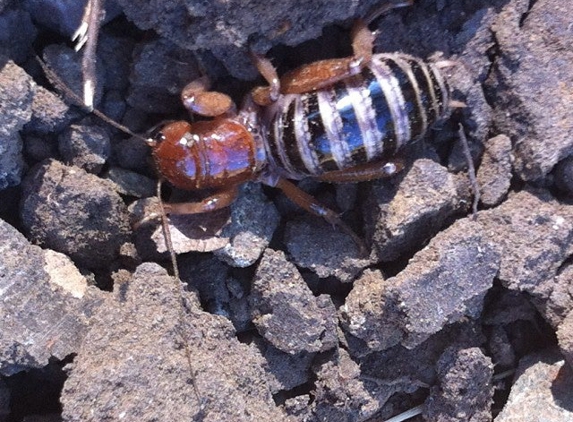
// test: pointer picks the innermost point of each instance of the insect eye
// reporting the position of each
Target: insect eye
(159, 137)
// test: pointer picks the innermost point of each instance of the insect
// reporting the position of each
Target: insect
(336, 121)
(339, 120)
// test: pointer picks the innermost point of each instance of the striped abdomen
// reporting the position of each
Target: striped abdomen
(358, 120)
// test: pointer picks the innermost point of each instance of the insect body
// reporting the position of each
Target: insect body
(348, 130)
(339, 120)
(358, 120)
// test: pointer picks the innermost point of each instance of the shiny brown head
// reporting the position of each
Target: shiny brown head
(207, 154)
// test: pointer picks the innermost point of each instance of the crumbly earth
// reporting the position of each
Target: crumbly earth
(278, 317)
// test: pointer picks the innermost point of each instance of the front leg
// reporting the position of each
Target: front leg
(154, 211)
(197, 98)
(218, 200)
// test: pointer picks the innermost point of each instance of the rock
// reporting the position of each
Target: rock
(443, 283)
(323, 249)
(232, 26)
(46, 304)
(285, 311)
(465, 389)
(131, 154)
(564, 176)
(507, 307)
(541, 390)
(40, 148)
(286, 371)
(340, 393)
(565, 338)
(399, 372)
(137, 349)
(130, 183)
(64, 273)
(535, 234)
(253, 222)
(64, 17)
(528, 84)
(557, 303)
(49, 114)
(85, 146)
(494, 174)
(501, 351)
(208, 276)
(158, 64)
(17, 34)
(16, 93)
(298, 408)
(401, 217)
(71, 211)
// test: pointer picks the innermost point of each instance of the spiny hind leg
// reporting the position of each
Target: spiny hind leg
(364, 172)
(311, 205)
(363, 38)
(307, 78)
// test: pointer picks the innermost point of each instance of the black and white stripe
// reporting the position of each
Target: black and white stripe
(361, 119)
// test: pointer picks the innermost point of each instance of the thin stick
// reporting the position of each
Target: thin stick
(89, 58)
(87, 34)
(471, 170)
(167, 232)
(408, 414)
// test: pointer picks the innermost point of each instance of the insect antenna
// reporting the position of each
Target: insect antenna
(177, 285)
(77, 100)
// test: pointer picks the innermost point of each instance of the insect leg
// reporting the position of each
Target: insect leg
(268, 94)
(362, 46)
(197, 98)
(364, 172)
(218, 200)
(363, 39)
(310, 204)
(312, 76)
(321, 74)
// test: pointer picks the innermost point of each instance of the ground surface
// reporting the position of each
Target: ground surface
(278, 317)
